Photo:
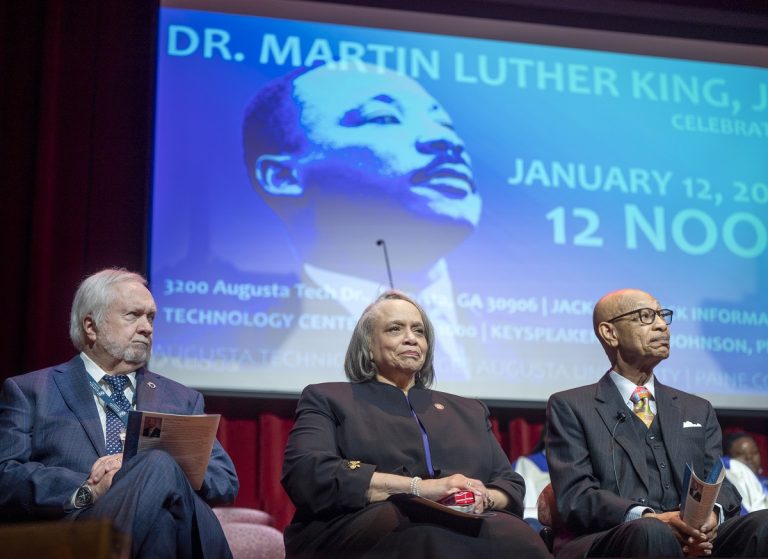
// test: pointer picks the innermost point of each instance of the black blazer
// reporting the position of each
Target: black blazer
(580, 460)
(344, 432)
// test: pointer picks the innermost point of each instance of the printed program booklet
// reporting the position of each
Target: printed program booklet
(419, 509)
(188, 438)
(700, 495)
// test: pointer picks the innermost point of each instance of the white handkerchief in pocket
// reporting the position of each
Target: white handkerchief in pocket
(687, 424)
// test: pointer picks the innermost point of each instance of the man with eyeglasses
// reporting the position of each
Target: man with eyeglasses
(617, 451)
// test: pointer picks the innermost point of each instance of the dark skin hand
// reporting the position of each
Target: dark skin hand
(695, 543)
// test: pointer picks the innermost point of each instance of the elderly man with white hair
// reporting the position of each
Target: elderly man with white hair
(61, 433)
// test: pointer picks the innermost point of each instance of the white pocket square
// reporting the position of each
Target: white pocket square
(687, 424)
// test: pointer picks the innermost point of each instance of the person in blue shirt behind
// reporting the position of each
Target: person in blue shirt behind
(535, 471)
(743, 469)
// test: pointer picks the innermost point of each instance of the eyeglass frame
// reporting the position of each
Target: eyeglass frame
(662, 313)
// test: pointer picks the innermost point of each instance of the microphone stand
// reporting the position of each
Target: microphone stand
(383, 244)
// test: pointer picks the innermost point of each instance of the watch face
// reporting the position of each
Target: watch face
(84, 497)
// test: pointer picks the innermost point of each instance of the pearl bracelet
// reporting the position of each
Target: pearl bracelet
(415, 485)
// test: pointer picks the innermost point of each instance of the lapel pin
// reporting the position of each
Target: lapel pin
(151, 385)
(439, 407)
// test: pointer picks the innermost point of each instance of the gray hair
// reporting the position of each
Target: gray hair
(93, 298)
(358, 364)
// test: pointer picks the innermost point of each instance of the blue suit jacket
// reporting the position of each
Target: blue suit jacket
(50, 436)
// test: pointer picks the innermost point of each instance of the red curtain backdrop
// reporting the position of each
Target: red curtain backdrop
(76, 93)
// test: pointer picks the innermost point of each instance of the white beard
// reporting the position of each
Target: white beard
(128, 354)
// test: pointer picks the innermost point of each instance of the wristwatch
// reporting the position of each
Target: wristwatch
(84, 496)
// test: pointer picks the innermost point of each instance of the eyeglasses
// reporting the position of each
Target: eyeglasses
(647, 316)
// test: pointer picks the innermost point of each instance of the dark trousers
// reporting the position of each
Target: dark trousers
(151, 500)
(742, 536)
(381, 530)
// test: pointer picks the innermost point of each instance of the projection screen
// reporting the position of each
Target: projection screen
(510, 174)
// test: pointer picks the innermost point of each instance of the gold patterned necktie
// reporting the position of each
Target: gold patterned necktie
(641, 398)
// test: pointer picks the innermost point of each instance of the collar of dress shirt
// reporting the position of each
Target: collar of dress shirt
(97, 373)
(627, 387)
(438, 294)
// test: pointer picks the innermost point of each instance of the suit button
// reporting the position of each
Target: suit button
(663, 465)
(666, 486)
(651, 437)
(642, 500)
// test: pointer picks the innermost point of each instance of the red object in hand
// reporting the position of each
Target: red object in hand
(460, 498)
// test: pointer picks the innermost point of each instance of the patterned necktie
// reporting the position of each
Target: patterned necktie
(641, 398)
(114, 423)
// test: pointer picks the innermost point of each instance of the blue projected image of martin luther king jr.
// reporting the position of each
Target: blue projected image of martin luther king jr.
(348, 153)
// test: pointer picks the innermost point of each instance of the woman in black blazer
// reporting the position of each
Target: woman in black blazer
(356, 444)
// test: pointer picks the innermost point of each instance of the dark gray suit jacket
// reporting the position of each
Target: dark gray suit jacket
(581, 460)
(51, 434)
